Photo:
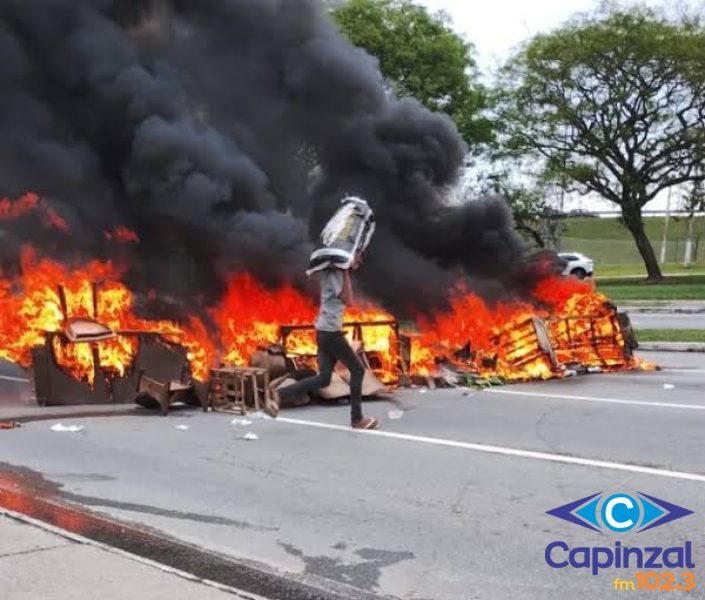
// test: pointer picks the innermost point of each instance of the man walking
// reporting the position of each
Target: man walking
(336, 294)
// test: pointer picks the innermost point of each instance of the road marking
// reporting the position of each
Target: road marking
(503, 450)
(603, 400)
(16, 379)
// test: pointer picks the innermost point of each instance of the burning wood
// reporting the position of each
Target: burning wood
(56, 315)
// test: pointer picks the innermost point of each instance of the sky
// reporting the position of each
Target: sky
(497, 27)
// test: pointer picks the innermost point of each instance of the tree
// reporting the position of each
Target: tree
(421, 56)
(533, 215)
(613, 104)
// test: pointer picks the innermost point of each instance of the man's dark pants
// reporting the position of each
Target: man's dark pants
(333, 347)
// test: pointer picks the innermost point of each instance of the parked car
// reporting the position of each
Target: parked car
(577, 264)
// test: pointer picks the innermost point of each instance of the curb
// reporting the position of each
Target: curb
(37, 413)
(79, 539)
(672, 346)
(663, 310)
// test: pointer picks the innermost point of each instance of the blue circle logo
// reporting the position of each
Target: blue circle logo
(620, 512)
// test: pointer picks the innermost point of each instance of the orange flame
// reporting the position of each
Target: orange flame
(11, 210)
(31, 311)
(513, 340)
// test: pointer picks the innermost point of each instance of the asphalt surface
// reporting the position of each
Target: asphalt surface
(446, 502)
(668, 321)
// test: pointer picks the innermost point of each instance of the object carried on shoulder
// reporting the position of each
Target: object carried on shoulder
(345, 237)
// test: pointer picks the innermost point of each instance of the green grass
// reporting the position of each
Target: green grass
(671, 335)
(610, 228)
(673, 288)
(611, 271)
(609, 243)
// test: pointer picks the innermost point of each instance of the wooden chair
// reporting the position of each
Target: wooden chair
(163, 393)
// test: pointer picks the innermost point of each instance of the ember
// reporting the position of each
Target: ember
(14, 209)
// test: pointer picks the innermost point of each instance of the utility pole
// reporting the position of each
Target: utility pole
(664, 242)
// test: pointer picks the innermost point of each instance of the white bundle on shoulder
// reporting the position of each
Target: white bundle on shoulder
(346, 235)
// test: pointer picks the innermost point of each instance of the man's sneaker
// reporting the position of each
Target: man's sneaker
(366, 423)
(271, 406)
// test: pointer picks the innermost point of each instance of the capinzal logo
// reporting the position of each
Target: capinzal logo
(619, 513)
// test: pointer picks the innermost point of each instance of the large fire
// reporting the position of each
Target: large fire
(32, 309)
(567, 323)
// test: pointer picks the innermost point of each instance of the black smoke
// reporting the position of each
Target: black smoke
(224, 133)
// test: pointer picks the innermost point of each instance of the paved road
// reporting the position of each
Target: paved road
(668, 321)
(447, 502)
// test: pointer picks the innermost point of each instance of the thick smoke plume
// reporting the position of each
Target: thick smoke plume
(224, 133)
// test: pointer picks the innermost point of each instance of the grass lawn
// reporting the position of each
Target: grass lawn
(672, 288)
(608, 243)
(671, 335)
(604, 271)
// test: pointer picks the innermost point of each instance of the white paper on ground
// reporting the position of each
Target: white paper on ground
(182, 427)
(249, 436)
(257, 415)
(395, 414)
(67, 428)
(243, 422)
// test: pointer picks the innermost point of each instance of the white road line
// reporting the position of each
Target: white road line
(17, 379)
(696, 371)
(503, 450)
(594, 399)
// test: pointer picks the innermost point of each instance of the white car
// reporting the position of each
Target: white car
(577, 264)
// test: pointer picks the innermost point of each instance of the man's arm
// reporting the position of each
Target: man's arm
(346, 294)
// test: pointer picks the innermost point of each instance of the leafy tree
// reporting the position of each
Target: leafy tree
(528, 203)
(613, 104)
(421, 56)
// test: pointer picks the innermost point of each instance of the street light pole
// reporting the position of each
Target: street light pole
(664, 242)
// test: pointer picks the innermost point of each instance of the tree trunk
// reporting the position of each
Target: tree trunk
(635, 223)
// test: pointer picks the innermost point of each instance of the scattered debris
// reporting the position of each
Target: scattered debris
(251, 437)
(182, 427)
(669, 386)
(259, 415)
(9, 425)
(60, 427)
(480, 383)
(395, 414)
(243, 422)
(423, 391)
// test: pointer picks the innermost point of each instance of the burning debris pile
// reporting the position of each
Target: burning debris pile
(85, 321)
(164, 162)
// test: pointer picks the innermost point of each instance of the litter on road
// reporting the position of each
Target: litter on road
(9, 425)
(60, 427)
(251, 437)
(395, 414)
(182, 427)
(257, 415)
(243, 422)
(669, 386)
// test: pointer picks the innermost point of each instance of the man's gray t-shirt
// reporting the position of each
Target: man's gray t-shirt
(330, 315)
